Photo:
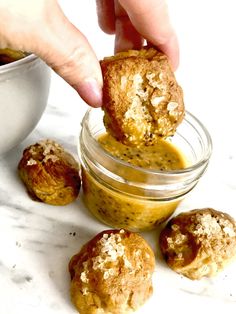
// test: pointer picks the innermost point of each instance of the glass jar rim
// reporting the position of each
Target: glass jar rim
(188, 169)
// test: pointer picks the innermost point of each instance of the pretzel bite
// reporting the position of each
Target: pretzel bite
(199, 243)
(142, 100)
(8, 55)
(49, 173)
(112, 274)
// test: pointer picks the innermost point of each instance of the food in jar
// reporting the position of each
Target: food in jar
(50, 173)
(142, 100)
(8, 55)
(161, 156)
(112, 273)
(117, 207)
(199, 243)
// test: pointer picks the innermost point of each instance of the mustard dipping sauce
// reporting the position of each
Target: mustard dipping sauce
(161, 156)
(122, 210)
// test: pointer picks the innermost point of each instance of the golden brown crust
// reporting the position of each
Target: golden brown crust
(141, 99)
(112, 273)
(199, 243)
(49, 173)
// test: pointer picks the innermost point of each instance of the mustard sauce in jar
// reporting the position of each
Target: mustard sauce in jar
(137, 188)
(160, 156)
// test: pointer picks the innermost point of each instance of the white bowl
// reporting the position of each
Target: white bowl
(24, 88)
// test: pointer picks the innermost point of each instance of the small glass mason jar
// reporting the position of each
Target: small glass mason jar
(122, 195)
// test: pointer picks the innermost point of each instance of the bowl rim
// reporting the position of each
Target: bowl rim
(203, 161)
(18, 63)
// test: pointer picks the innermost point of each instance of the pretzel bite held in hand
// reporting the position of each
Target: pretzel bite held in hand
(50, 174)
(199, 243)
(142, 100)
(112, 274)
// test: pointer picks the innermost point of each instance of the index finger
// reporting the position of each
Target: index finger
(151, 20)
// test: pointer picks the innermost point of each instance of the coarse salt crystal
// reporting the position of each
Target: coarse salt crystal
(83, 277)
(172, 106)
(229, 231)
(31, 162)
(157, 100)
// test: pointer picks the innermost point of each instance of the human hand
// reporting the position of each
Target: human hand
(41, 27)
(30, 26)
(134, 20)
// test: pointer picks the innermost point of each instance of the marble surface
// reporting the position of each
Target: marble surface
(37, 240)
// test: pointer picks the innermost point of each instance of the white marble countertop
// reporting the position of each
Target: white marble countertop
(37, 240)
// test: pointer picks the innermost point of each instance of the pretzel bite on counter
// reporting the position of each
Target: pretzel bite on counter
(50, 174)
(142, 100)
(199, 243)
(112, 274)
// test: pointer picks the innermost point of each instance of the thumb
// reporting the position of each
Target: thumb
(67, 51)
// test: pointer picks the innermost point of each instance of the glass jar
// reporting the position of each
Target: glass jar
(122, 195)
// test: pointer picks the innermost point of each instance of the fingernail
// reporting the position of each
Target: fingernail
(91, 92)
